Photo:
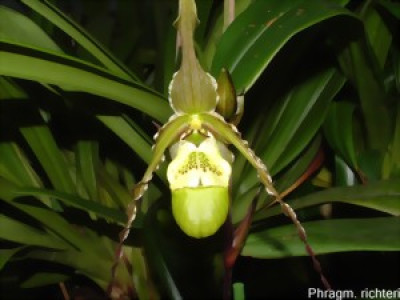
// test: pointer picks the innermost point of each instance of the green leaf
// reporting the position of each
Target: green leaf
(378, 34)
(7, 189)
(89, 263)
(328, 236)
(87, 161)
(42, 143)
(128, 30)
(391, 7)
(344, 175)
(240, 165)
(101, 210)
(168, 65)
(10, 90)
(242, 201)
(7, 254)
(299, 166)
(305, 102)
(75, 75)
(391, 162)
(118, 193)
(204, 10)
(42, 279)
(15, 231)
(338, 129)
(152, 239)
(291, 124)
(17, 28)
(216, 32)
(73, 29)
(370, 163)
(319, 93)
(359, 65)
(257, 34)
(381, 195)
(145, 288)
(15, 167)
(51, 220)
(130, 133)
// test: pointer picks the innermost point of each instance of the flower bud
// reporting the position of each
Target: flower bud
(227, 103)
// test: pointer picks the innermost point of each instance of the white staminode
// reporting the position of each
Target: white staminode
(196, 166)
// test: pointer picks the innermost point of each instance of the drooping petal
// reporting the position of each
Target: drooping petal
(216, 123)
(176, 126)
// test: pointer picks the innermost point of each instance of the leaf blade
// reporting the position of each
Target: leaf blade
(255, 37)
(328, 236)
(21, 29)
(66, 24)
(15, 231)
(380, 195)
(75, 75)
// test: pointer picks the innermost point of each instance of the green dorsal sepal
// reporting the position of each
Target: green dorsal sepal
(192, 90)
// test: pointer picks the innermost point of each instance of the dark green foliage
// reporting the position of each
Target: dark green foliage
(80, 101)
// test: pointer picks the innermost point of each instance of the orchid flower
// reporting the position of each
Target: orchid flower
(197, 135)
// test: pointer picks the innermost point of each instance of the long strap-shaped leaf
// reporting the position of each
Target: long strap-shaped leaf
(129, 133)
(88, 205)
(51, 220)
(257, 35)
(51, 158)
(382, 196)
(75, 75)
(20, 29)
(368, 234)
(292, 122)
(80, 35)
(19, 232)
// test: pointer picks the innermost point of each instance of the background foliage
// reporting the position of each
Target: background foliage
(83, 88)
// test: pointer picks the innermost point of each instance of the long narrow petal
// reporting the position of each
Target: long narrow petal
(163, 139)
(217, 124)
(228, 132)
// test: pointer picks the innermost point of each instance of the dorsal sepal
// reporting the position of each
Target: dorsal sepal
(192, 90)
